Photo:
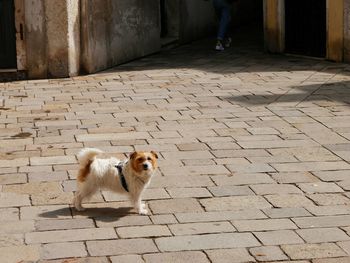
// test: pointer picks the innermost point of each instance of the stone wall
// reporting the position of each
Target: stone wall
(173, 10)
(73, 37)
(35, 34)
(115, 31)
(52, 38)
(56, 34)
(67, 37)
(347, 30)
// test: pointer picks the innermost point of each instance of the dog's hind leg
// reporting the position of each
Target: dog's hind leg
(77, 201)
(83, 192)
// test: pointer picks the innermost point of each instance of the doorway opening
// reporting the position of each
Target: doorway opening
(305, 27)
(8, 58)
(248, 21)
(169, 21)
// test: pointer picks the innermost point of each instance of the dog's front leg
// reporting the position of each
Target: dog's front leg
(139, 206)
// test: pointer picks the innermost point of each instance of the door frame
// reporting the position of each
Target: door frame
(335, 30)
(274, 25)
(274, 28)
(21, 57)
(20, 35)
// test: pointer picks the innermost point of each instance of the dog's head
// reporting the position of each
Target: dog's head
(144, 163)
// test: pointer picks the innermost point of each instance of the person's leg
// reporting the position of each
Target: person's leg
(225, 19)
(223, 11)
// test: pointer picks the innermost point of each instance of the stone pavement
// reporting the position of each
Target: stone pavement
(254, 160)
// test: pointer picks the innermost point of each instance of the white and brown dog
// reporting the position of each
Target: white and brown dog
(98, 171)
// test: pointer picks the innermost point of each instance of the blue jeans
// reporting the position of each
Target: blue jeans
(223, 11)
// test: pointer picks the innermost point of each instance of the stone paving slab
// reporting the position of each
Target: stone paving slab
(235, 255)
(253, 160)
(268, 253)
(185, 256)
(209, 241)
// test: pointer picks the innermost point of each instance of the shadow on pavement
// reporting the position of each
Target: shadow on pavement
(56, 213)
(327, 92)
(104, 214)
(246, 55)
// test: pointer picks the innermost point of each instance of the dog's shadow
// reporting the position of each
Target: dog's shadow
(103, 214)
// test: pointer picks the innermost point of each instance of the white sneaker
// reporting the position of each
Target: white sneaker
(219, 46)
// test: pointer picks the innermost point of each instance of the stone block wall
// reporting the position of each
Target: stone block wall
(67, 37)
(35, 34)
(347, 30)
(52, 38)
(115, 31)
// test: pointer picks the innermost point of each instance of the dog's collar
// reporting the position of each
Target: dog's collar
(119, 167)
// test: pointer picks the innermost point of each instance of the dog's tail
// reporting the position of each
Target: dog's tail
(87, 155)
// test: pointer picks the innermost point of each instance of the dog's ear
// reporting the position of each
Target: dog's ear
(133, 155)
(154, 154)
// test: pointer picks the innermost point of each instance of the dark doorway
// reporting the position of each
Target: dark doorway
(163, 19)
(7, 35)
(169, 21)
(248, 23)
(305, 27)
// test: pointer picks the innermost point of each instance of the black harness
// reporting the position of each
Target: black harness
(119, 167)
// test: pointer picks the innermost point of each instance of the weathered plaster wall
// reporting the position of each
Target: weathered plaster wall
(52, 38)
(63, 37)
(56, 32)
(35, 33)
(116, 31)
(73, 8)
(197, 19)
(174, 14)
(347, 30)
